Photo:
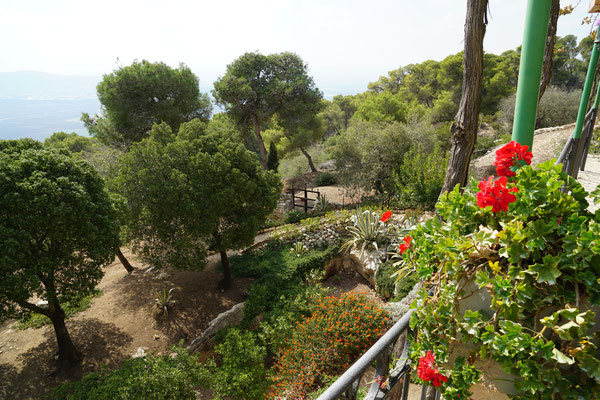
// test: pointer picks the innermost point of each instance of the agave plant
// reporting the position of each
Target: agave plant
(368, 232)
(298, 249)
(322, 203)
(165, 300)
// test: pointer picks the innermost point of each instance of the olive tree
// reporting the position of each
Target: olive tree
(137, 96)
(257, 87)
(196, 190)
(57, 229)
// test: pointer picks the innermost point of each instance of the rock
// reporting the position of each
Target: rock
(367, 263)
(163, 275)
(224, 320)
(141, 352)
(148, 270)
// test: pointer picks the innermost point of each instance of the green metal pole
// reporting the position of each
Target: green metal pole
(530, 70)
(587, 87)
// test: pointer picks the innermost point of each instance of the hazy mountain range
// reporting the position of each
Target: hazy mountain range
(37, 104)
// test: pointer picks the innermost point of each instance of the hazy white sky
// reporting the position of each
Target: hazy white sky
(346, 43)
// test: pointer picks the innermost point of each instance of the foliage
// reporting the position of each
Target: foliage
(144, 378)
(419, 179)
(367, 233)
(295, 216)
(33, 320)
(256, 87)
(382, 107)
(595, 142)
(195, 188)
(278, 271)
(557, 107)
(239, 371)
(70, 141)
(273, 159)
(367, 152)
(385, 281)
(57, 230)
(166, 300)
(138, 96)
(325, 343)
(298, 249)
(296, 163)
(538, 263)
(325, 179)
(322, 204)
(405, 285)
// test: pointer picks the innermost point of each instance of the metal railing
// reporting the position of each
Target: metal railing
(347, 386)
(574, 154)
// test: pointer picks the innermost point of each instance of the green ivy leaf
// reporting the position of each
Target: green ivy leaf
(560, 357)
(548, 271)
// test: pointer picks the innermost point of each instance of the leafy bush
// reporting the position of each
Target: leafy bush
(385, 282)
(420, 177)
(294, 216)
(557, 107)
(34, 320)
(240, 373)
(278, 271)
(144, 378)
(325, 343)
(537, 261)
(325, 179)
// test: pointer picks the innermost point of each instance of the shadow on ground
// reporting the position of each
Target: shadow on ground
(98, 341)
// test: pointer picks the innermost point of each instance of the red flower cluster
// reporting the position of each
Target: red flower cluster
(426, 371)
(386, 216)
(405, 245)
(495, 194)
(508, 155)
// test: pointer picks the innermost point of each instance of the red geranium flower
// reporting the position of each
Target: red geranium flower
(386, 216)
(495, 194)
(426, 371)
(405, 245)
(508, 155)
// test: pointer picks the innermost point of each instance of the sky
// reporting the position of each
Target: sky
(346, 43)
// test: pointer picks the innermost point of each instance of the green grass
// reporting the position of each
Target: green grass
(34, 320)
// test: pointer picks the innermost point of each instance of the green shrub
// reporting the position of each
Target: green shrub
(385, 281)
(324, 344)
(278, 271)
(405, 285)
(145, 378)
(294, 216)
(537, 262)
(34, 320)
(239, 370)
(420, 177)
(325, 179)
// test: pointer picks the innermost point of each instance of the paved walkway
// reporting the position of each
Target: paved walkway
(590, 178)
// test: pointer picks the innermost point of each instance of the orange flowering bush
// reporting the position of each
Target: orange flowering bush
(326, 343)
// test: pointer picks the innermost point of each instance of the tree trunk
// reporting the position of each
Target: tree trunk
(549, 51)
(464, 128)
(68, 355)
(124, 261)
(309, 158)
(226, 282)
(261, 143)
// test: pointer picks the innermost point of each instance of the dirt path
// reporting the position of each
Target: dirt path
(116, 325)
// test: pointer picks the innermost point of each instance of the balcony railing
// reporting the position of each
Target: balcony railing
(347, 385)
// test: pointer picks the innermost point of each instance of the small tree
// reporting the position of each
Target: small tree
(257, 87)
(57, 229)
(273, 160)
(194, 190)
(135, 97)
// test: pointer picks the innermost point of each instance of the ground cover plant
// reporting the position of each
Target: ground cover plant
(323, 344)
(171, 376)
(533, 250)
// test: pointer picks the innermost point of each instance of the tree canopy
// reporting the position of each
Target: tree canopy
(194, 190)
(256, 87)
(138, 96)
(57, 229)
